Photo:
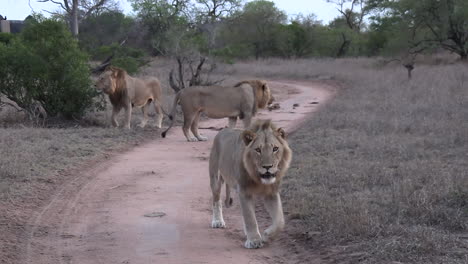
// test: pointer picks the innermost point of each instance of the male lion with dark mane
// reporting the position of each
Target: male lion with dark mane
(126, 92)
(241, 100)
(252, 161)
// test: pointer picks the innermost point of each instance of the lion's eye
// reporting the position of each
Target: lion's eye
(275, 149)
(258, 150)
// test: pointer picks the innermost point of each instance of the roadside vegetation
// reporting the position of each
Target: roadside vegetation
(380, 173)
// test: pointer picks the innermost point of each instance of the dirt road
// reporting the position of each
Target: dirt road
(152, 204)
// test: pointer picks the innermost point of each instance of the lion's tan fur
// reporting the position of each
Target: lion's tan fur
(239, 101)
(262, 97)
(126, 92)
(235, 161)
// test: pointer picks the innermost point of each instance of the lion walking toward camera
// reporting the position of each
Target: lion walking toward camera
(253, 161)
(127, 92)
(241, 100)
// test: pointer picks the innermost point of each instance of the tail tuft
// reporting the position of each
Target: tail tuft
(163, 134)
(171, 117)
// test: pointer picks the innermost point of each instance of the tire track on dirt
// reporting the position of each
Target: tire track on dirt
(99, 216)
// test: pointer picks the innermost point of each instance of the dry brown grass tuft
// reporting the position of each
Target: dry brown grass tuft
(383, 167)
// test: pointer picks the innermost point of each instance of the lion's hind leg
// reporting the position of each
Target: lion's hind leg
(159, 112)
(144, 110)
(194, 128)
(188, 120)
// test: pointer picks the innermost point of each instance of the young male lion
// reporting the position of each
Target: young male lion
(253, 161)
(126, 92)
(241, 100)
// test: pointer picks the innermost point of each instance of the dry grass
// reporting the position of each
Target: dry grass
(35, 161)
(380, 174)
(382, 169)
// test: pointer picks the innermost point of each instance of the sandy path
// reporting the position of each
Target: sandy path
(99, 217)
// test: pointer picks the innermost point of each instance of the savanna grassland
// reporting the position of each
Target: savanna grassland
(380, 173)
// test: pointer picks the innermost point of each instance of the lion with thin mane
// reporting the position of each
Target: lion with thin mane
(127, 92)
(241, 100)
(253, 161)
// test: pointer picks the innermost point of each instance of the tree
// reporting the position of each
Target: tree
(104, 28)
(256, 26)
(167, 22)
(44, 65)
(353, 13)
(213, 10)
(298, 38)
(75, 10)
(440, 22)
(211, 15)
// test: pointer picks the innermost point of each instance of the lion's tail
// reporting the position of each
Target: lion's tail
(172, 115)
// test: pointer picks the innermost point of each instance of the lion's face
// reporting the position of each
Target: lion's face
(106, 83)
(266, 153)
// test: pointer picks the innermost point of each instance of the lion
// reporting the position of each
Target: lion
(126, 92)
(241, 100)
(253, 161)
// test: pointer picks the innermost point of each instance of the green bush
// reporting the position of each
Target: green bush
(6, 37)
(46, 65)
(126, 58)
(21, 73)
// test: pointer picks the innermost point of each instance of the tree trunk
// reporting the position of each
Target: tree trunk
(344, 46)
(464, 56)
(74, 19)
(257, 51)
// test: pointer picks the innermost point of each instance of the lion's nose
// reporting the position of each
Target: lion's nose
(267, 167)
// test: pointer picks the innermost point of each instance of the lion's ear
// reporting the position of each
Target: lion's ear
(281, 132)
(248, 136)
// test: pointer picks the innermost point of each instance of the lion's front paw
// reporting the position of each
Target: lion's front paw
(202, 138)
(252, 244)
(271, 232)
(218, 224)
(192, 139)
(267, 236)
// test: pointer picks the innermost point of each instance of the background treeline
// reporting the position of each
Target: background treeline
(257, 29)
(49, 59)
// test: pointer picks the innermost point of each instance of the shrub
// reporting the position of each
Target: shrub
(6, 37)
(124, 57)
(46, 65)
